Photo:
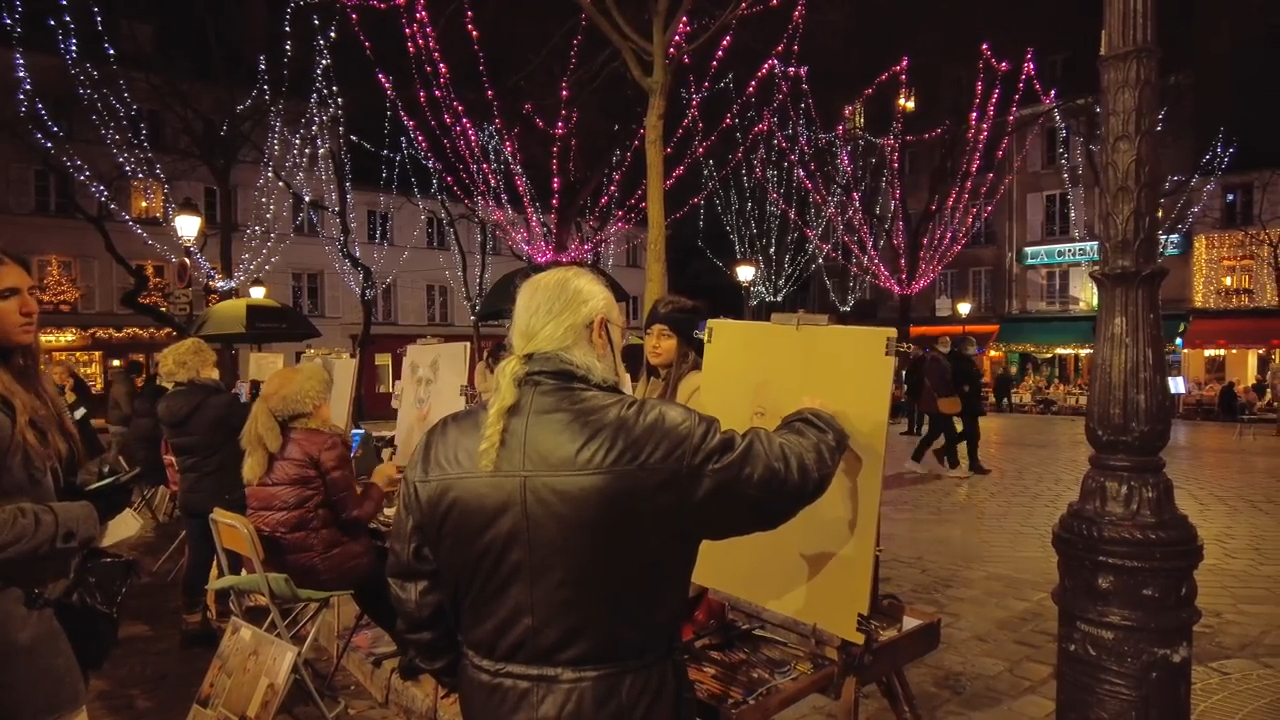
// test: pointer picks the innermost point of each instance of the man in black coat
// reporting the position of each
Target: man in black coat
(967, 377)
(1002, 390)
(913, 380)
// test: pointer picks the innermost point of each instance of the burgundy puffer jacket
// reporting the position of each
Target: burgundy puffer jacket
(311, 514)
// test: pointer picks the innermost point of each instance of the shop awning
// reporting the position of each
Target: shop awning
(1233, 333)
(927, 335)
(1045, 334)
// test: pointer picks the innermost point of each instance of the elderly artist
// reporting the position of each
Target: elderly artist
(543, 549)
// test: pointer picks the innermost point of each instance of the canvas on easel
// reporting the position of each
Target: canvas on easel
(262, 364)
(248, 677)
(433, 382)
(343, 371)
(819, 567)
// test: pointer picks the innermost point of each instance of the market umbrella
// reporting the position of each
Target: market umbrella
(501, 297)
(252, 321)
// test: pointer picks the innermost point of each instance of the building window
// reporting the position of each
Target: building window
(384, 304)
(633, 254)
(378, 227)
(307, 291)
(212, 205)
(57, 277)
(1057, 214)
(1057, 146)
(436, 233)
(1055, 289)
(1237, 277)
(980, 290)
(633, 309)
(52, 192)
(146, 199)
(945, 285)
(382, 372)
(305, 217)
(438, 304)
(979, 234)
(489, 238)
(1237, 205)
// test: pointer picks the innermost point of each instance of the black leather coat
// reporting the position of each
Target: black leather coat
(554, 587)
(202, 422)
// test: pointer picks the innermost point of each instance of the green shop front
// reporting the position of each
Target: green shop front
(1059, 346)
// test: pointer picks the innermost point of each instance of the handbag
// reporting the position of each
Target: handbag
(88, 609)
(949, 405)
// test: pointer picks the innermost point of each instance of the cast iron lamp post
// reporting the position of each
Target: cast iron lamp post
(746, 272)
(1127, 556)
(187, 222)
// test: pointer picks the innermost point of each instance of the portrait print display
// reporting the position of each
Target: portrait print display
(433, 381)
(819, 567)
(248, 677)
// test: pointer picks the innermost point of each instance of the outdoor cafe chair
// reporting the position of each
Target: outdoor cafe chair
(276, 591)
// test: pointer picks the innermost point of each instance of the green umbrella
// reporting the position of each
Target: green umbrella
(251, 321)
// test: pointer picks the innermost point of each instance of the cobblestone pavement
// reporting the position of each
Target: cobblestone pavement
(976, 552)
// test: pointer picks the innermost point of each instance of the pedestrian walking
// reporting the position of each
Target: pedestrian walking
(966, 377)
(913, 382)
(939, 402)
(1002, 390)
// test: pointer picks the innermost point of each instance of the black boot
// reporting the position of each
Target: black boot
(197, 630)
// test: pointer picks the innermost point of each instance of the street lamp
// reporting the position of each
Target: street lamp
(963, 308)
(745, 270)
(1127, 556)
(257, 289)
(187, 222)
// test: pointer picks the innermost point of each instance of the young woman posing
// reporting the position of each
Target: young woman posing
(673, 351)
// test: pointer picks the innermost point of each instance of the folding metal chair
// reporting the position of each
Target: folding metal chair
(234, 533)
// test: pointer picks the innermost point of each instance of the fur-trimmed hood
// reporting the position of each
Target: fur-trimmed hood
(289, 396)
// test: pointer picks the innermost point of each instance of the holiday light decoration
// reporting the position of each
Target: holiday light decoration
(562, 212)
(59, 290)
(1236, 269)
(863, 222)
(124, 161)
(157, 292)
(73, 335)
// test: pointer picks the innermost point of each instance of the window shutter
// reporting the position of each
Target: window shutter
(1076, 286)
(244, 206)
(22, 194)
(333, 288)
(412, 303)
(1035, 217)
(1035, 148)
(1034, 290)
(87, 279)
(85, 198)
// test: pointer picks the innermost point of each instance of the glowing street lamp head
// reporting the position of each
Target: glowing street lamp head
(746, 271)
(257, 289)
(187, 221)
(964, 307)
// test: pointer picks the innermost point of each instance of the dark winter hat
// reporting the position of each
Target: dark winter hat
(682, 317)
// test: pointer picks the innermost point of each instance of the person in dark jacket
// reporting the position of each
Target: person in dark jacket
(913, 387)
(937, 383)
(141, 445)
(966, 377)
(1229, 402)
(201, 420)
(76, 393)
(545, 540)
(1002, 390)
(310, 512)
(122, 390)
(40, 537)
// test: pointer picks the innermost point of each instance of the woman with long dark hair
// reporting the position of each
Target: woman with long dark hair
(673, 351)
(39, 536)
(76, 393)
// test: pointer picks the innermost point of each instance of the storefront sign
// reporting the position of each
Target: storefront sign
(1087, 252)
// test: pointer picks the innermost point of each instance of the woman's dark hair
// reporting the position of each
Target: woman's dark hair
(494, 354)
(688, 355)
(80, 387)
(42, 431)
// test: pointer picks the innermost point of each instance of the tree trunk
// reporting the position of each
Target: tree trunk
(228, 368)
(904, 318)
(655, 267)
(364, 341)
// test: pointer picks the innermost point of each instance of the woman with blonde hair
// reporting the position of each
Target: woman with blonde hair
(40, 537)
(304, 500)
(201, 420)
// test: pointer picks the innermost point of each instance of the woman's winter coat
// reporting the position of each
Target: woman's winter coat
(312, 515)
(688, 392)
(202, 422)
(937, 382)
(39, 541)
(141, 445)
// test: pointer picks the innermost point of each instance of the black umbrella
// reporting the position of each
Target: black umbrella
(501, 297)
(249, 321)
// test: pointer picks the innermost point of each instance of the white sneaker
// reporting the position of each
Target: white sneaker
(959, 472)
(914, 467)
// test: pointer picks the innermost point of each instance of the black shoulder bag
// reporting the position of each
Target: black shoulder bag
(88, 608)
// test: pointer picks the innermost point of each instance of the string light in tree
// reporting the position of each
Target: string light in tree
(110, 121)
(59, 290)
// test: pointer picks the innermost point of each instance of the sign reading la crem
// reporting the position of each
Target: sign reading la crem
(1087, 252)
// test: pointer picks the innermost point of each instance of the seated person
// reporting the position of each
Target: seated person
(310, 512)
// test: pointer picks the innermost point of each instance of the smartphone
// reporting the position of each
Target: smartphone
(105, 483)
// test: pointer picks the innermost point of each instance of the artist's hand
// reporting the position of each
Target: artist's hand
(386, 476)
